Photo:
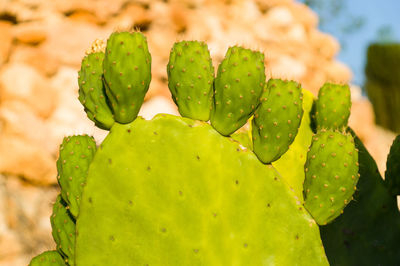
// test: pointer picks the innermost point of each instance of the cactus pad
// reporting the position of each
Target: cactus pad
(237, 88)
(291, 164)
(92, 93)
(127, 73)
(277, 119)
(142, 204)
(190, 79)
(333, 106)
(392, 174)
(48, 258)
(63, 230)
(331, 175)
(76, 154)
(368, 231)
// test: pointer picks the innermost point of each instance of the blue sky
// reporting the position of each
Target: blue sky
(376, 13)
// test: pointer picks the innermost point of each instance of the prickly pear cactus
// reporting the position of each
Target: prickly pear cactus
(392, 174)
(291, 164)
(218, 217)
(191, 78)
(368, 232)
(238, 86)
(48, 258)
(277, 119)
(63, 232)
(91, 88)
(333, 106)
(177, 191)
(127, 73)
(76, 154)
(331, 174)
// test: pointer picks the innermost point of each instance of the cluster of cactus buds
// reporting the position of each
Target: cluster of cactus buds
(186, 190)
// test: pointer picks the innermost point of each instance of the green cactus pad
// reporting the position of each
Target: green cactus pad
(331, 175)
(143, 205)
(76, 154)
(127, 73)
(392, 174)
(63, 230)
(237, 88)
(48, 258)
(291, 164)
(368, 232)
(190, 79)
(243, 137)
(332, 108)
(92, 93)
(277, 119)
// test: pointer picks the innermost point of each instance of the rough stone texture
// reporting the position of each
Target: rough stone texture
(23, 83)
(24, 220)
(30, 34)
(43, 42)
(6, 40)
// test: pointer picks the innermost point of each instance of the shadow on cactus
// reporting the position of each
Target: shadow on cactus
(184, 191)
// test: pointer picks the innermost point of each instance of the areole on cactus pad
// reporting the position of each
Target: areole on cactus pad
(178, 191)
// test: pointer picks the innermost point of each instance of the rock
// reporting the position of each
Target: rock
(133, 16)
(280, 16)
(246, 11)
(85, 17)
(35, 57)
(179, 17)
(29, 34)
(18, 119)
(264, 6)
(27, 159)
(10, 247)
(265, 31)
(18, 11)
(6, 40)
(22, 82)
(297, 33)
(286, 67)
(24, 220)
(304, 15)
(324, 44)
(75, 39)
(337, 72)
(101, 9)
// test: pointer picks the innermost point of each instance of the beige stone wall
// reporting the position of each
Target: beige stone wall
(42, 43)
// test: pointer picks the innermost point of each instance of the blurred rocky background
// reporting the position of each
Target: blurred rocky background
(43, 42)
